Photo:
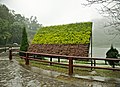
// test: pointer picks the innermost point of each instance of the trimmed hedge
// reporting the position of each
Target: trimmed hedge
(77, 33)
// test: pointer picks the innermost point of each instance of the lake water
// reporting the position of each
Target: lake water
(100, 52)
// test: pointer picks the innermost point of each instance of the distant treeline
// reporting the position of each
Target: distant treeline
(11, 26)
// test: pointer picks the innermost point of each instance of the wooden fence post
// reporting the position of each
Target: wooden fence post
(10, 54)
(50, 60)
(70, 66)
(91, 63)
(58, 60)
(27, 60)
(34, 56)
(94, 62)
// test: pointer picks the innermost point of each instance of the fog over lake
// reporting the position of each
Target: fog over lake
(102, 40)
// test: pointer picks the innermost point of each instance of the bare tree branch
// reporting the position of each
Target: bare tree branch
(111, 10)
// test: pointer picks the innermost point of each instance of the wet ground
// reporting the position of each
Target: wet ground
(14, 75)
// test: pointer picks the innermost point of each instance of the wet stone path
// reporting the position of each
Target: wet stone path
(14, 75)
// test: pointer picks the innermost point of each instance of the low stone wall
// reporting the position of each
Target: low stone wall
(71, 49)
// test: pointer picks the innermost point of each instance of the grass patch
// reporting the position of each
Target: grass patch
(82, 62)
(46, 66)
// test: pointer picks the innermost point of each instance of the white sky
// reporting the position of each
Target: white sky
(53, 12)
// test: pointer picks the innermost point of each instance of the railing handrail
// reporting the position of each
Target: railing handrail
(70, 64)
(74, 57)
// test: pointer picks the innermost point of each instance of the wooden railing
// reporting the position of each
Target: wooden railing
(34, 56)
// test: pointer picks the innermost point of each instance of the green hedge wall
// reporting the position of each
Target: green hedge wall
(77, 33)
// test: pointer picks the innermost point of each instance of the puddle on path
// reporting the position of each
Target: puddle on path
(98, 78)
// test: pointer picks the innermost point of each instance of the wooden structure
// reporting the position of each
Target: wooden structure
(33, 56)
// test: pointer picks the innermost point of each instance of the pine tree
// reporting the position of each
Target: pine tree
(24, 41)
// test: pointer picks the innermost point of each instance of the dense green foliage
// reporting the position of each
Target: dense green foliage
(11, 26)
(112, 53)
(6, 18)
(77, 33)
(24, 42)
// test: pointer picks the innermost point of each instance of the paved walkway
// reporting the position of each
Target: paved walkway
(13, 75)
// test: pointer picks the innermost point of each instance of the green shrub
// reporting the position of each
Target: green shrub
(112, 53)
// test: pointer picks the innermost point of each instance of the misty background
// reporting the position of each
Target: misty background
(54, 12)
(102, 40)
